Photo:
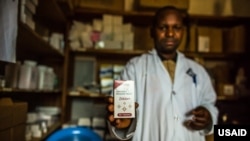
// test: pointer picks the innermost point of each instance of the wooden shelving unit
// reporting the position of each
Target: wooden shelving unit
(31, 45)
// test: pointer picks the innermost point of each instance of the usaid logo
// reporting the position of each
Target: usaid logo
(232, 132)
(240, 132)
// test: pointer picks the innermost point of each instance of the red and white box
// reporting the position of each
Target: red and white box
(124, 99)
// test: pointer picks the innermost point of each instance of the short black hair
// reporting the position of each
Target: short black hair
(183, 14)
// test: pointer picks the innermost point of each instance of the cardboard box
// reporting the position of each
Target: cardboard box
(5, 135)
(182, 4)
(236, 8)
(202, 7)
(116, 5)
(210, 39)
(12, 113)
(16, 133)
(235, 39)
(220, 7)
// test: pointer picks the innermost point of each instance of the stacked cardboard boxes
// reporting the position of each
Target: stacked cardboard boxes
(12, 120)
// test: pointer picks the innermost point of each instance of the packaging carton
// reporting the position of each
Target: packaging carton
(124, 103)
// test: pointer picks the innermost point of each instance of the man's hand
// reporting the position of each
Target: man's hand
(120, 122)
(201, 119)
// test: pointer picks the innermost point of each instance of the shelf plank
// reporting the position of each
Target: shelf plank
(100, 96)
(221, 98)
(12, 90)
(108, 52)
(145, 17)
(216, 56)
(223, 21)
(29, 42)
(93, 12)
(116, 56)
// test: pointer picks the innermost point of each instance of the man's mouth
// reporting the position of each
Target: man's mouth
(170, 43)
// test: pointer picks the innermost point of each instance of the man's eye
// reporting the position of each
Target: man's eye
(162, 28)
(177, 28)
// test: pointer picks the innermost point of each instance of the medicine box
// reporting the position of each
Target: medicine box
(124, 101)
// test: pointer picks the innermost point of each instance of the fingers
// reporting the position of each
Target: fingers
(200, 120)
(110, 104)
(111, 118)
(118, 123)
(196, 125)
(198, 113)
(110, 108)
(110, 99)
(122, 123)
(136, 105)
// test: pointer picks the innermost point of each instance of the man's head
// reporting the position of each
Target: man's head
(167, 29)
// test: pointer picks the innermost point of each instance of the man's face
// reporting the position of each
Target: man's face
(168, 32)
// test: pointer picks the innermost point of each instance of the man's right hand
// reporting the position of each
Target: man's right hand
(120, 123)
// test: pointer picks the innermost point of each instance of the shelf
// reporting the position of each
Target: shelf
(107, 51)
(145, 17)
(113, 52)
(223, 21)
(221, 98)
(82, 92)
(50, 14)
(216, 56)
(100, 96)
(95, 12)
(11, 90)
(29, 42)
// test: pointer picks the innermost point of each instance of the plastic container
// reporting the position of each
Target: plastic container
(41, 77)
(27, 76)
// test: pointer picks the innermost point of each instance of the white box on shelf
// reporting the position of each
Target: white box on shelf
(117, 20)
(84, 121)
(107, 19)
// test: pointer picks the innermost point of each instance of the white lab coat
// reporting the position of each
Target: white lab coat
(8, 30)
(163, 104)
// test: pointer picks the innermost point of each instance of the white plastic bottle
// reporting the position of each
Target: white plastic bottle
(27, 76)
(41, 77)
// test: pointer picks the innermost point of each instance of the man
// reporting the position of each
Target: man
(175, 98)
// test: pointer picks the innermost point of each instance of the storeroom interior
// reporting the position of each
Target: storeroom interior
(59, 58)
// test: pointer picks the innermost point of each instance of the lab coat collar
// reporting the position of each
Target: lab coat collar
(179, 54)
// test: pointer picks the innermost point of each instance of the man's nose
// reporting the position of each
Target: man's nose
(169, 32)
